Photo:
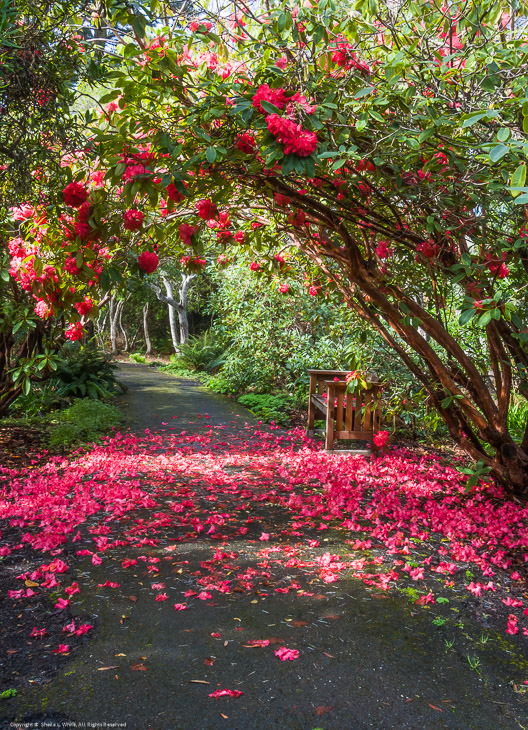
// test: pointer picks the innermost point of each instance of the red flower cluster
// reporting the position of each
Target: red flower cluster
(174, 194)
(246, 143)
(274, 96)
(380, 439)
(133, 219)
(497, 265)
(148, 261)
(296, 140)
(206, 209)
(428, 249)
(193, 261)
(74, 332)
(344, 57)
(84, 307)
(74, 194)
(186, 231)
(298, 218)
(42, 309)
(383, 251)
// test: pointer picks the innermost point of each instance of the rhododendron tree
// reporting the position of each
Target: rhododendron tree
(383, 143)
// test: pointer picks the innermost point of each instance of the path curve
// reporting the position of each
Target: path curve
(162, 402)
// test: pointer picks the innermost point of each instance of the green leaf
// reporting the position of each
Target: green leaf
(522, 199)
(325, 155)
(288, 164)
(484, 319)
(518, 178)
(269, 107)
(504, 134)
(364, 92)
(466, 316)
(471, 119)
(104, 280)
(498, 152)
(210, 153)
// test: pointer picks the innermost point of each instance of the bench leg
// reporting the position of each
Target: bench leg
(329, 438)
(311, 419)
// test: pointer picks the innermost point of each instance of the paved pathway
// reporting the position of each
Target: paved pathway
(366, 660)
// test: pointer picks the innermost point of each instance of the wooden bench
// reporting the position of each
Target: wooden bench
(348, 415)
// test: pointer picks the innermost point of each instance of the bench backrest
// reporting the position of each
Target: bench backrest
(357, 412)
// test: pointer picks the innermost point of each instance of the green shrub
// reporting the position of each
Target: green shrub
(180, 371)
(137, 357)
(518, 418)
(201, 353)
(42, 398)
(269, 407)
(220, 384)
(85, 420)
(85, 373)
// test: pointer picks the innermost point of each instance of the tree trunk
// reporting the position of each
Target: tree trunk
(146, 329)
(172, 311)
(112, 318)
(100, 325)
(474, 414)
(120, 322)
(182, 309)
(179, 306)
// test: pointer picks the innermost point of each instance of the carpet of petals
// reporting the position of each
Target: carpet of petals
(124, 497)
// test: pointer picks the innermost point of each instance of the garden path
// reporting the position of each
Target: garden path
(213, 535)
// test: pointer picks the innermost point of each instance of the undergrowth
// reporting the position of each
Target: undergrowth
(85, 420)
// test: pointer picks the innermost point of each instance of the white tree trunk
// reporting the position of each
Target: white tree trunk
(146, 329)
(113, 325)
(123, 331)
(182, 309)
(172, 311)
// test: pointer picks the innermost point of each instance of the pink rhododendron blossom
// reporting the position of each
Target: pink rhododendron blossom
(38, 633)
(285, 654)
(274, 96)
(74, 331)
(246, 143)
(148, 261)
(296, 140)
(380, 439)
(75, 194)
(133, 219)
(63, 649)
(226, 693)
(206, 209)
